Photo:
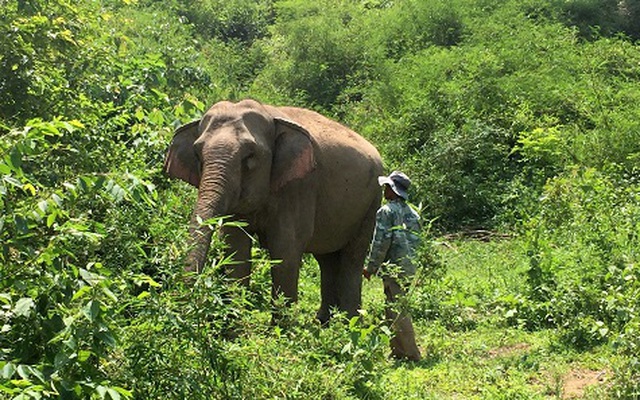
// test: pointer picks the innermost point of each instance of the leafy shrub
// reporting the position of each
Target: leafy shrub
(41, 44)
(415, 25)
(501, 112)
(343, 359)
(174, 342)
(627, 376)
(583, 257)
(60, 302)
(237, 20)
(601, 17)
(318, 52)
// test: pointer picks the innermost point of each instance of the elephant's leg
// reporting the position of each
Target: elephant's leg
(349, 280)
(352, 258)
(286, 272)
(285, 276)
(239, 243)
(287, 231)
(329, 266)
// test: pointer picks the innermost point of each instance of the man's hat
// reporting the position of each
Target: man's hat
(398, 182)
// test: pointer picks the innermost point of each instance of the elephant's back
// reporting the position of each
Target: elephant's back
(333, 138)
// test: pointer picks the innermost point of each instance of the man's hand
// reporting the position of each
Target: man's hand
(366, 274)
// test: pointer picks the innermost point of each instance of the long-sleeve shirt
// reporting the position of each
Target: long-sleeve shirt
(396, 237)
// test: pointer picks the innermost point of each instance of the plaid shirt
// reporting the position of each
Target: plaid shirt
(395, 239)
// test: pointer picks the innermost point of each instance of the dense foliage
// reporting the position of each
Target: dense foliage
(517, 116)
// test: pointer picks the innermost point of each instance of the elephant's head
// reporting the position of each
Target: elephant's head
(238, 155)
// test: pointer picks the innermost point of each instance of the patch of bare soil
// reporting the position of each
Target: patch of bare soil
(577, 381)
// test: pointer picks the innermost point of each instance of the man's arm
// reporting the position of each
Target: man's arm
(380, 243)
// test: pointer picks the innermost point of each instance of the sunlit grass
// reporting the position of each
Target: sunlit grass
(486, 359)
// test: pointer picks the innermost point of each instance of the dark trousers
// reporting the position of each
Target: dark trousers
(403, 343)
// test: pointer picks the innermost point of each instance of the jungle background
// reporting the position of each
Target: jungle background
(518, 121)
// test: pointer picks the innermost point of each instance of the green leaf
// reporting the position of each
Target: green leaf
(50, 129)
(91, 310)
(142, 279)
(51, 219)
(143, 295)
(21, 224)
(89, 277)
(16, 159)
(8, 390)
(23, 371)
(83, 355)
(156, 117)
(81, 293)
(71, 187)
(12, 181)
(113, 394)
(109, 294)
(102, 391)
(126, 393)
(23, 307)
(56, 199)
(21, 383)
(99, 182)
(84, 183)
(107, 338)
(348, 348)
(43, 206)
(5, 298)
(5, 169)
(139, 114)
(8, 370)
(71, 343)
(37, 373)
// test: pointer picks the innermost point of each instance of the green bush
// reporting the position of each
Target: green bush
(518, 115)
(38, 53)
(601, 17)
(583, 251)
(415, 25)
(237, 20)
(318, 53)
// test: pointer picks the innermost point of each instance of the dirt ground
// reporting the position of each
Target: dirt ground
(577, 381)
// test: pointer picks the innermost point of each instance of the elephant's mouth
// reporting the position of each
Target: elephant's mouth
(251, 200)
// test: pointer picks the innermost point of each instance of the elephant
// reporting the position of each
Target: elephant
(301, 182)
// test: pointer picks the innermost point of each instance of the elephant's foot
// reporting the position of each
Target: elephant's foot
(323, 316)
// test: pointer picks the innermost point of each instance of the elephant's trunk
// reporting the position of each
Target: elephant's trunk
(214, 196)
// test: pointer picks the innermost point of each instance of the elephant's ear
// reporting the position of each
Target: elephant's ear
(293, 154)
(181, 161)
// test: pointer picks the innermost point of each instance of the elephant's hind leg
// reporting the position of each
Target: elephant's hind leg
(351, 264)
(350, 280)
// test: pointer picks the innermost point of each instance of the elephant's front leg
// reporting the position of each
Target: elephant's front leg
(289, 230)
(285, 276)
(239, 243)
(286, 242)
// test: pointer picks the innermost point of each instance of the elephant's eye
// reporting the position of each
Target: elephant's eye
(249, 162)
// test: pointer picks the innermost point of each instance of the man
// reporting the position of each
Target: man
(394, 244)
